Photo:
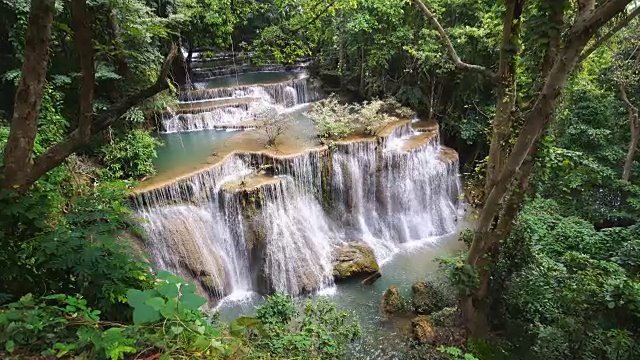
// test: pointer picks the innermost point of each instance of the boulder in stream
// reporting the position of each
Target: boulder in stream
(354, 260)
(422, 330)
(391, 302)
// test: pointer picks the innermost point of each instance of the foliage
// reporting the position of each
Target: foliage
(167, 321)
(568, 295)
(333, 119)
(336, 121)
(455, 353)
(462, 276)
(371, 116)
(319, 331)
(131, 155)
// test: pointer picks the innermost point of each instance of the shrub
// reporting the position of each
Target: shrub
(320, 331)
(168, 323)
(79, 251)
(332, 119)
(131, 155)
(372, 118)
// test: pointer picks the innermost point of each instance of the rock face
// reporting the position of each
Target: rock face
(354, 260)
(422, 330)
(426, 298)
(391, 302)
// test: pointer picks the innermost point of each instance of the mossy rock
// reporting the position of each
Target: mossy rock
(427, 298)
(422, 330)
(354, 260)
(391, 302)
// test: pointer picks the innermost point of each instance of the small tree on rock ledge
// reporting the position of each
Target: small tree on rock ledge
(273, 124)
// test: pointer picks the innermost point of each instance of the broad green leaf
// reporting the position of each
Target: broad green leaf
(164, 275)
(177, 329)
(144, 314)
(136, 297)
(170, 309)
(9, 346)
(192, 301)
(188, 288)
(168, 290)
(156, 302)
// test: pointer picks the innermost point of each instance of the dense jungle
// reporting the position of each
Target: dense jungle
(319, 179)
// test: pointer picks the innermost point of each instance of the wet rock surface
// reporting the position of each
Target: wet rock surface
(354, 260)
(391, 302)
(422, 330)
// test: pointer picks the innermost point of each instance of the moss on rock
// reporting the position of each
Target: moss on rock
(447, 317)
(391, 302)
(422, 330)
(354, 260)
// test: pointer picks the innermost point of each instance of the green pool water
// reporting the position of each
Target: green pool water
(253, 78)
(188, 148)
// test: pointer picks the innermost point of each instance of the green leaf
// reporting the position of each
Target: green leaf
(169, 309)
(9, 346)
(188, 288)
(156, 303)
(144, 314)
(164, 275)
(248, 321)
(136, 297)
(192, 301)
(168, 290)
(237, 326)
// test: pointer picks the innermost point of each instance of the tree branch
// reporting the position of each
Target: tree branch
(82, 36)
(619, 26)
(592, 20)
(316, 17)
(24, 124)
(450, 49)
(56, 154)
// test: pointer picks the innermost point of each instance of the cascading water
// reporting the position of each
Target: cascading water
(280, 235)
(253, 99)
(298, 240)
(394, 196)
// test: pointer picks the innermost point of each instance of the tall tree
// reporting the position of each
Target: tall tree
(20, 168)
(510, 166)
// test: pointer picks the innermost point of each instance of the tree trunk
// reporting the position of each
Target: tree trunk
(24, 124)
(635, 134)
(486, 236)
(507, 92)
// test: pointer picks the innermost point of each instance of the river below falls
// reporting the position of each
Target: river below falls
(415, 261)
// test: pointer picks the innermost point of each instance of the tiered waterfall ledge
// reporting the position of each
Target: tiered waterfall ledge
(251, 144)
(287, 218)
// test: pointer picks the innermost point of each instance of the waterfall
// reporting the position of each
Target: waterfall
(208, 109)
(306, 91)
(298, 240)
(261, 222)
(394, 196)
